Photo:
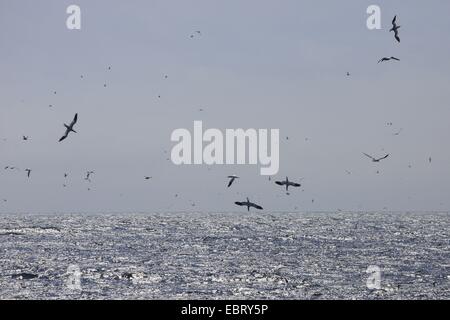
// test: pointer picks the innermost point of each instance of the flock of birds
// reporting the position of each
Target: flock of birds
(69, 129)
(288, 183)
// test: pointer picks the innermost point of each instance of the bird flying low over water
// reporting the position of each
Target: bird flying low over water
(28, 171)
(249, 205)
(375, 159)
(395, 28)
(387, 59)
(69, 128)
(232, 178)
(288, 184)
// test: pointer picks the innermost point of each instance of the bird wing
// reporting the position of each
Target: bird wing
(394, 20)
(296, 184)
(231, 182)
(280, 183)
(368, 156)
(239, 203)
(396, 36)
(254, 205)
(384, 157)
(63, 137)
(75, 119)
(394, 58)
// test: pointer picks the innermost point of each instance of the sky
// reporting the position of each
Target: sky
(257, 64)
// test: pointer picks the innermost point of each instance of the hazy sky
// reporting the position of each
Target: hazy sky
(257, 64)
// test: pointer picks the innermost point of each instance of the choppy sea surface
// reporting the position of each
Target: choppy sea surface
(225, 256)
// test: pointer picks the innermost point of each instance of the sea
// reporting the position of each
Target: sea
(316, 255)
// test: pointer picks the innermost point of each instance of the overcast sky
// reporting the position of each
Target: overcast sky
(257, 64)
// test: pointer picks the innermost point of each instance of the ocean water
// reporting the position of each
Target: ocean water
(225, 256)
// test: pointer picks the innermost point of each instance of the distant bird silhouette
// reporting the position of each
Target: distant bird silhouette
(395, 28)
(249, 205)
(88, 175)
(348, 74)
(25, 138)
(192, 36)
(28, 172)
(11, 168)
(288, 184)
(387, 59)
(232, 178)
(398, 132)
(69, 128)
(147, 178)
(376, 159)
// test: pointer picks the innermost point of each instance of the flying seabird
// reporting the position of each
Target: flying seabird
(88, 175)
(387, 59)
(249, 204)
(395, 28)
(11, 168)
(147, 178)
(25, 138)
(193, 35)
(288, 183)
(28, 172)
(69, 128)
(375, 159)
(232, 178)
(398, 132)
